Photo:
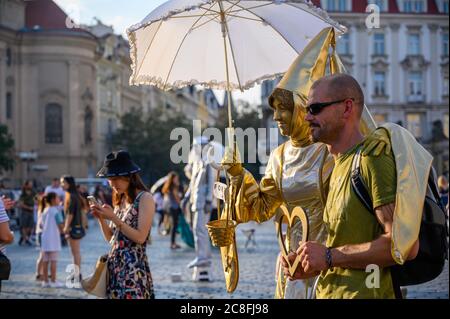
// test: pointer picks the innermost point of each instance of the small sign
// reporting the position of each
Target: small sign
(219, 190)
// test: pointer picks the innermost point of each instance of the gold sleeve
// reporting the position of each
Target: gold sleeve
(259, 202)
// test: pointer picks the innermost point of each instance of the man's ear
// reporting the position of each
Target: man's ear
(349, 109)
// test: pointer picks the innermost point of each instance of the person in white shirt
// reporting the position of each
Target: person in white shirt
(55, 187)
(52, 225)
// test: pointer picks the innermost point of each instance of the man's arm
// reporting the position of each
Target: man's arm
(378, 251)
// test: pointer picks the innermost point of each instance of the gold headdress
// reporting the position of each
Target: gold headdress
(317, 60)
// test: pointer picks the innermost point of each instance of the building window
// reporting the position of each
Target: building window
(379, 44)
(414, 6)
(336, 5)
(415, 81)
(9, 105)
(443, 6)
(343, 45)
(445, 86)
(445, 44)
(380, 84)
(413, 44)
(8, 57)
(414, 124)
(382, 4)
(53, 124)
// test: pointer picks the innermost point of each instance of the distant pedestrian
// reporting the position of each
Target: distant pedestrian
(159, 202)
(172, 200)
(443, 190)
(26, 204)
(73, 228)
(55, 187)
(52, 226)
(38, 231)
(130, 224)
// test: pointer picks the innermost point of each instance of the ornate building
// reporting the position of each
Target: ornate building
(47, 89)
(63, 89)
(402, 65)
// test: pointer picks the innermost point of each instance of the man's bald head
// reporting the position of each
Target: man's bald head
(340, 87)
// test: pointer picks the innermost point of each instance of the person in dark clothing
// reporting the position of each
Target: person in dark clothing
(172, 199)
(73, 205)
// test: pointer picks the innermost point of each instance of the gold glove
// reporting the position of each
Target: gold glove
(231, 161)
(376, 142)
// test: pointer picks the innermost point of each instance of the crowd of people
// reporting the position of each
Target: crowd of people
(58, 217)
(49, 219)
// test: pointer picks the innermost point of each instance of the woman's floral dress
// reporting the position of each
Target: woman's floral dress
(128, 269)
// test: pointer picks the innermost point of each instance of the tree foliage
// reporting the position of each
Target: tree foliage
(6, 150)
(147, 138)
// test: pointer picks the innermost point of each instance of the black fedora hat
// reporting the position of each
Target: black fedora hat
(118, 164)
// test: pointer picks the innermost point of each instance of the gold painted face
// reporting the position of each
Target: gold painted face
(283, 116)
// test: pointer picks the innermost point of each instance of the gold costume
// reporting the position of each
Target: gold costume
(298, 172)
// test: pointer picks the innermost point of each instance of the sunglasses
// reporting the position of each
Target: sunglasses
(316, 108)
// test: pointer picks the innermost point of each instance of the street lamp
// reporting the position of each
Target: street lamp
(28, 157)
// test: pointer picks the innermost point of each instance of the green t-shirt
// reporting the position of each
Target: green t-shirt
(349, 222)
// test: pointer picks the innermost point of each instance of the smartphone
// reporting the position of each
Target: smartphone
(93, 201)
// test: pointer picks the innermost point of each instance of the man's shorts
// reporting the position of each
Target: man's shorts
(26, 219)
(49, 256)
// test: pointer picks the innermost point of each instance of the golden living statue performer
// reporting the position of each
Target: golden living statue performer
(298, 171)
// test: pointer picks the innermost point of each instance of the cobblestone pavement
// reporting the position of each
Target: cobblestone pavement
(257, 268)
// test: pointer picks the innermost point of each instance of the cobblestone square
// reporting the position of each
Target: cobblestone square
(257, 269)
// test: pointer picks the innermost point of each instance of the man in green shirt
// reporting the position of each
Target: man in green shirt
(26, 204)
(356, 237)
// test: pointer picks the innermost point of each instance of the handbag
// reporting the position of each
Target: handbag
(77, 232)
(5, 267)
(96, 283)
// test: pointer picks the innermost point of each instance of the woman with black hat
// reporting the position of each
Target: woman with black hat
(129, 226)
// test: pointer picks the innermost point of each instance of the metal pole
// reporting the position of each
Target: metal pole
(224, 35)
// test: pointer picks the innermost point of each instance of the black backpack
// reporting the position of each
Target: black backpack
(433, 245)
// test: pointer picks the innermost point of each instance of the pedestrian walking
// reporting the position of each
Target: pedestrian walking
(172, 200)
(73, 228)
(443, 190)
(26, 204)
(38, 231)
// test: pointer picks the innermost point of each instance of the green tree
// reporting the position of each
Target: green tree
(147, 138)
(6, 150)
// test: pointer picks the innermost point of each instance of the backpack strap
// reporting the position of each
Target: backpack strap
(361, 191)
(358, 185)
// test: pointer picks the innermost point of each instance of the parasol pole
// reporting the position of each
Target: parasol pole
(224, 36)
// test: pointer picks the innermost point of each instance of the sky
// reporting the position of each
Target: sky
(121, 14)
